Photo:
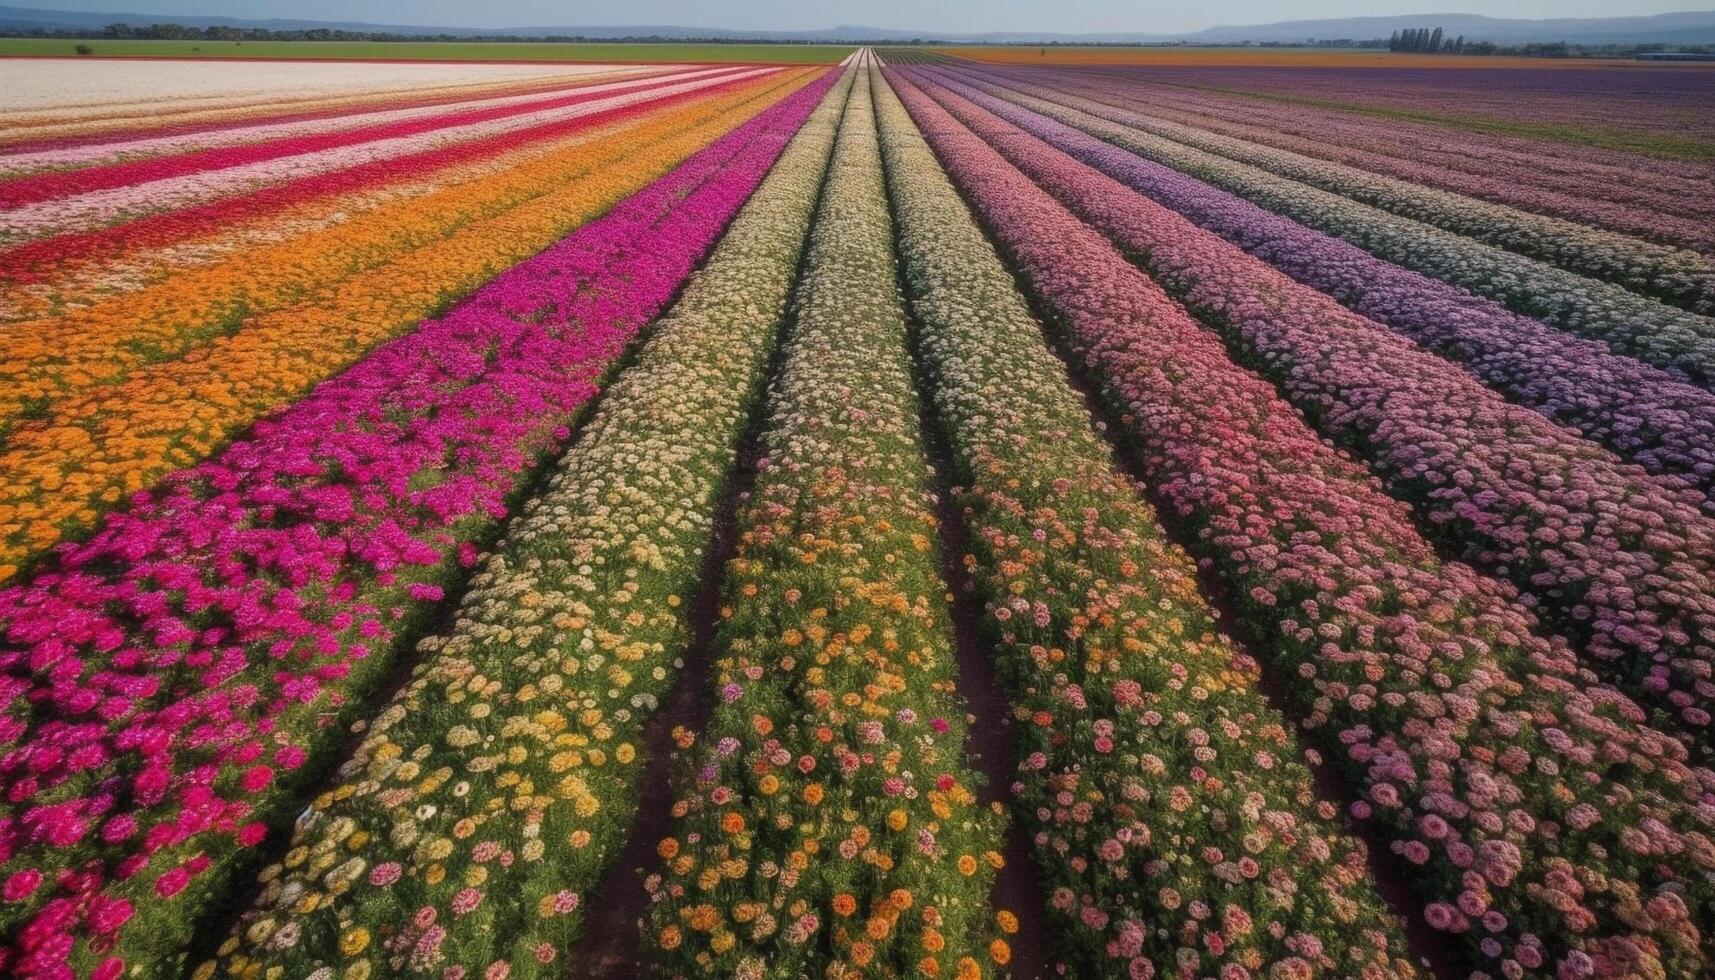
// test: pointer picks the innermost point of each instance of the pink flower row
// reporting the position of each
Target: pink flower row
(165, 678)
(1621, 560)
(148, 194)
(1683, 278)
(1493, 761)
(253, 131)
(1641, 412)
(55, 184)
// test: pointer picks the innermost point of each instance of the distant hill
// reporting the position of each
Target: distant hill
(1696, 27)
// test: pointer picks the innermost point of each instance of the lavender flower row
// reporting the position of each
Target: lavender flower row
(1641, 412)
(1617, 558)
(1648, 100)
(1683, 278)
(1493, 760)
(166, 675)
(1624, 198)
(1678, 341)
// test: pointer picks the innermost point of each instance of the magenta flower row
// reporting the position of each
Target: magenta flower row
(165, 678)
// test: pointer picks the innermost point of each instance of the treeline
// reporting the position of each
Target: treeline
(1433, 41)
(1424, 39)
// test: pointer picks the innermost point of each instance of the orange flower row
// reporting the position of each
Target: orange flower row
(67, 352)
(60, 473)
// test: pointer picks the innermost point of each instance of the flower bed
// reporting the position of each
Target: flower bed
(1640, 412)
(1676, 340)
(1172, 816)
(1622, 563)
(177, 667)
(828, 821)
(517, 743)
(62, 472)
(1483, 750)
(1679, 276)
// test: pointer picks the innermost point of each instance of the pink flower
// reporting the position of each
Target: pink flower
(21, 885)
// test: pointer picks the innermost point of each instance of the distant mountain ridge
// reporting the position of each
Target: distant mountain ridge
(1690, 27)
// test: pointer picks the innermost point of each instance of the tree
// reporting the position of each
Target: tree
(1435, 40)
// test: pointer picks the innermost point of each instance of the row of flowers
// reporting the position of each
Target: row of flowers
(1680, 341)
(1173, 817)
(286, 117)
(173, 679)
(60, 473)
(1622, 562)
(1576, 183)
(1640, 412)
(67, 352)
(103, 206)
(1552, 832)
(1675, 275)
(41, 258)
(73, 288)
(826, 821)
(461, 122)
(490, 794)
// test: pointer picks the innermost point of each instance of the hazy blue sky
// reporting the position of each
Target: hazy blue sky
(969, 15)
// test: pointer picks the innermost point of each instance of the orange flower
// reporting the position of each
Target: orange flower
(668, 848)
(845, 904)
(1000, 952)
(732, 822)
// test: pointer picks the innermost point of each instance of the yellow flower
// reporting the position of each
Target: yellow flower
(625, 753)
(354, 941)
(1007, 921)
(897, 819)
(967, 865)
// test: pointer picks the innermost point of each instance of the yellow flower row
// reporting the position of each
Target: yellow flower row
(831, 827)
(59, 474)
(498, 785)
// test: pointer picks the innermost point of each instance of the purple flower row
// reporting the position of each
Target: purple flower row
(1623, 561)
(1683, 278)
(167, 677)
(1640, 412)
(1676, 340)
(1615, 195)
(1659, 100)
(1553, 830)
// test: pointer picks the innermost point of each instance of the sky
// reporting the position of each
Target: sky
(1067, 16)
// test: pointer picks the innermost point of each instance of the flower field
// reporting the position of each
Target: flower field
(953, 513)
